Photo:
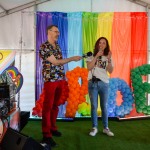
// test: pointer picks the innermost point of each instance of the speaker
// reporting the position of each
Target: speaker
(24, 116)
(13, 140)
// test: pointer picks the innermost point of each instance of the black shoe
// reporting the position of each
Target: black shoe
(49, 141)
(56, 133)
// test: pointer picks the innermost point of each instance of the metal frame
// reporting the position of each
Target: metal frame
(19, 8)
(141, 2)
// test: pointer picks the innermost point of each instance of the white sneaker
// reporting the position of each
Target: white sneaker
(108, 132)
(93, 132)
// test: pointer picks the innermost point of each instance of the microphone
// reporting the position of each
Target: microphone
(100, 57)
(88, 54)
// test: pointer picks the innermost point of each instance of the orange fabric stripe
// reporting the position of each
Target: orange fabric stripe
(139, 39)
(121, 48)
(121, 45)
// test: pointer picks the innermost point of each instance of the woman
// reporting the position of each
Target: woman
(98, 83)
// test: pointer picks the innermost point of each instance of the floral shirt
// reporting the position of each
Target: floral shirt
(51, 72)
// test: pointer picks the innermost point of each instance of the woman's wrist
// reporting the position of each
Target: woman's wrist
(109, 61)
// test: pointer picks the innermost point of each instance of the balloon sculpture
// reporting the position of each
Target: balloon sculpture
(77, 92)
(84, 109)
(140, 88)
(117, 84)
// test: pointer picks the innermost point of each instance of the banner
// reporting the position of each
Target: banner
(7, 57)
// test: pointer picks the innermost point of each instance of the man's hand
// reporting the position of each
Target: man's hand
(76, 58)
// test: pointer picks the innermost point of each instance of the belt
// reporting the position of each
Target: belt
(96, 79)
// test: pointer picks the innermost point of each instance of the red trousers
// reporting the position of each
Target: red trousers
(52, 94)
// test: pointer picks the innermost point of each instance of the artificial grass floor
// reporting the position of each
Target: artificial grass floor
(129, 135)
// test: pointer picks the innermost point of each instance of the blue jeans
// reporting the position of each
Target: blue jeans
(98, 88)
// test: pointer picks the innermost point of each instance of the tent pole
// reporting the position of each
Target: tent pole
(35, 10)
(20, 54)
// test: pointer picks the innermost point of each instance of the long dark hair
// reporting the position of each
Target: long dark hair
(96, 48)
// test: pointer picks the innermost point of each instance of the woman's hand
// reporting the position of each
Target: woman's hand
(109, 55)
(100, 53)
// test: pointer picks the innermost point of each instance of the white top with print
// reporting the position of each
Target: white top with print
(99, 71)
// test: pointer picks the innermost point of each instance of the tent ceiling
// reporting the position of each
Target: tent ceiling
(145, 3)
(11, 6)
(7, 5)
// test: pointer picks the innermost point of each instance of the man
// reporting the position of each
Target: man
(53, 76)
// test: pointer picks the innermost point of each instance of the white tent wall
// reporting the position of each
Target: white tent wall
(10, 31)
(15, 26)
(25, 59)
(26, 99)
(17, 32)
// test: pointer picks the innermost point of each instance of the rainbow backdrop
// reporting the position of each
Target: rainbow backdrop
(126, 32)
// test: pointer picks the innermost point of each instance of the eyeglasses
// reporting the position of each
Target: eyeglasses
(55, 31)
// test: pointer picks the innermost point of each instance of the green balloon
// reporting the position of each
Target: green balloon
(141, 68)
(135, 80)
(140, 90)
(137, 94)
(136, 70)
(148, 108)
(137, 102)
(142, 106)
(148, 112)
(139, 110)
(144, 110)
